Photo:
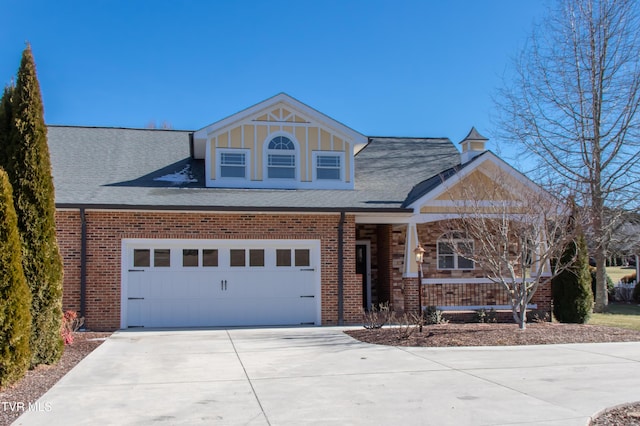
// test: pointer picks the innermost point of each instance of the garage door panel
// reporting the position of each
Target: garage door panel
(201, 293)
(268, 283)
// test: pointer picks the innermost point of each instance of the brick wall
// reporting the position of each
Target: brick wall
(385, 260)
(106, 229)
(405, 290)
(69, 234)
(465, 294)
(398, 284)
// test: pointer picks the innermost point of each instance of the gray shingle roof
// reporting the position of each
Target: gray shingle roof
(393, 166)
(428, 185)
(117, 167)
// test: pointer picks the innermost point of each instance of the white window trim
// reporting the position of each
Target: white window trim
(338, 154)
(247, 164)
(454, 254)
(280, 182)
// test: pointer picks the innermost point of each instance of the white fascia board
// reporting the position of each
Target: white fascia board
(484, 203)
(442, 188)
(383, 218)
(436, 217)
(519, 176)
(488, 156)
(346, 132)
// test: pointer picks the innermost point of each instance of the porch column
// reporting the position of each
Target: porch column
(410, 266)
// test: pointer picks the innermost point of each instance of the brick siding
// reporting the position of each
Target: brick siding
(405, 290)
(106, 229)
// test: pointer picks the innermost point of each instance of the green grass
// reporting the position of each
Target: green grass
(618, 315)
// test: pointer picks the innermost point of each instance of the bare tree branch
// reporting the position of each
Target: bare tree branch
(573, 105)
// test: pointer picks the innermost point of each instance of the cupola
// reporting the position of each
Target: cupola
(472, 145)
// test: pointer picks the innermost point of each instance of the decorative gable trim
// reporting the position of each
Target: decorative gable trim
(295, 104)
(479, 164)
(281, 116)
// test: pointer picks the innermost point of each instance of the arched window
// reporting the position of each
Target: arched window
(281, 158)
(451, 250)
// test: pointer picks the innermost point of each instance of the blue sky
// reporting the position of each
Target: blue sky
(384, 68)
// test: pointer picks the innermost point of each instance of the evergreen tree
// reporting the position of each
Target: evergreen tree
(571, 289)
(6, 116)
(15, 297)
(29, 172)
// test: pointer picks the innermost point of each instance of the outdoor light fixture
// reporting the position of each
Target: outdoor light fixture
(419, 255)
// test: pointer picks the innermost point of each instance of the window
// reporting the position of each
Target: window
(161, 258)
(210, 257)
(189, 257)
(328, 167)
(141, 258)
(233, 165)
(283, 257)
(256, 257)
(303, 257)
(281, 158)
(237, 257)
(450, 250)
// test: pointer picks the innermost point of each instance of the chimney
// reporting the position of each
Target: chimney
(472, 146)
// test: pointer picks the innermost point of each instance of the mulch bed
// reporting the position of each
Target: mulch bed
(442, 335)
(628, 415)
(37, 381)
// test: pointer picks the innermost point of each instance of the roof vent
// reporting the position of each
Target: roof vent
(472, 145)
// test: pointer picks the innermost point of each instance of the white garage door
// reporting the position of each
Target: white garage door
(195, 283)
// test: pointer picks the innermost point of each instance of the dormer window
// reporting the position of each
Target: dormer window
(233, 164)
(281, 158)
(328, 166)
(279, 144)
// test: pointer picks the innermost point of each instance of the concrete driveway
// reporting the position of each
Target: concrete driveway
(292, 376)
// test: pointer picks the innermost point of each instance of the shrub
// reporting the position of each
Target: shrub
(434, 316)
(29, 170)
(378, 316)
(15, 297)
(636, 293)
(70, 324)
(483, 316)
(407, 325)
(571, 289)
(539, 316)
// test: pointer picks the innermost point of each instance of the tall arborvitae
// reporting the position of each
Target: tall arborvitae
(15, 297)
(571, 289)
(29, 172)
(6, 118)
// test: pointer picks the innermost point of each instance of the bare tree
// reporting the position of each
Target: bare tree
(512, 230)
(573, 104)
(625, 238)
